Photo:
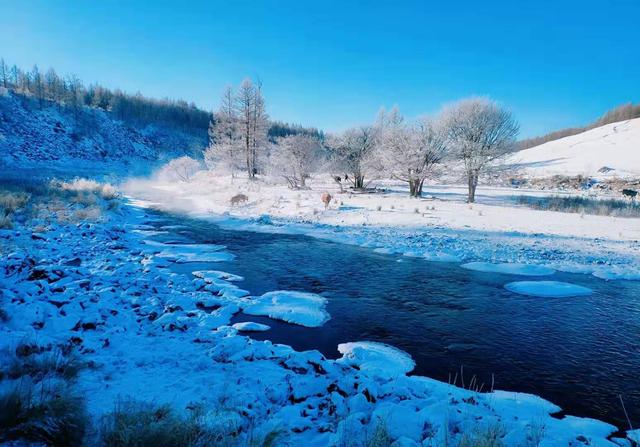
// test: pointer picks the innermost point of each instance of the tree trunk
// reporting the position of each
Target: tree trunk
(358, 181)
(473, 183)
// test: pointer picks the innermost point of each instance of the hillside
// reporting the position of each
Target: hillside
(612, 150)
(58, 137)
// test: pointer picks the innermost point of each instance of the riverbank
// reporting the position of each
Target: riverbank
(99, 290)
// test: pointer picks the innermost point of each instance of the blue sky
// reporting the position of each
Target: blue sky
(333, 64)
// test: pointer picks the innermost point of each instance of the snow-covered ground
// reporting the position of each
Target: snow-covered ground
(612, 148)
(105, 289)
(440, 227)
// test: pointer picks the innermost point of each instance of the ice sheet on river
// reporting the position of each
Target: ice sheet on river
(508, 268)
(377, 359)
(251, 326)
(210, 276)
(305, 309)
(183, 253)
(547, 288)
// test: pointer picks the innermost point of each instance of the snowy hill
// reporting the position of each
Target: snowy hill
(57, 138)
(612, 150)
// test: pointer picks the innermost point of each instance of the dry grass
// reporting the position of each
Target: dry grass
(583, 205)
(488, 437)
(52, 414)
(135, 423)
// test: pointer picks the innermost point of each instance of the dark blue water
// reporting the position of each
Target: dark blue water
(581, 353)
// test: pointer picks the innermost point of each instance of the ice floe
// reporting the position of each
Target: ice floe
(377, 359)
(510, 269)
(305, 309)
(251, 326)
(210, 276)
(547, 288)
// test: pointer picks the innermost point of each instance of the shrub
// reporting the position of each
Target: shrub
(92, 213)
(42, 365)
(108, 192)
(55, 415)
(5, 222)
(10, 202)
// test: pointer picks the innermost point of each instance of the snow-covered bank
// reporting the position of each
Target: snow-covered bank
(437, 229)
(147, 332)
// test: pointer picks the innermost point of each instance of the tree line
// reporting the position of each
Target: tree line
(475, 133)
(69, 91)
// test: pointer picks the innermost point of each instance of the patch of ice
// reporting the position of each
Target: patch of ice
(617, 272)
(547, 288)
(251, 326)
(305, 309)
(510, 269)
(210, 276)
(377, 359)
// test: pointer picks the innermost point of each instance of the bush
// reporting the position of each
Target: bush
(55, 415)
(582, 205)
(5, 222)
(43, 365)
(10, 202)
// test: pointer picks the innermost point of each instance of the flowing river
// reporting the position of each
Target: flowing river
(581, 353)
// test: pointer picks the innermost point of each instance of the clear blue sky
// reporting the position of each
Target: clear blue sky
(333, 64)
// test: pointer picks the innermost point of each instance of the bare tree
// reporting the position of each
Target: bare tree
(4, 74)
(480, 132)
(410, 152)
(182, 168)
(38, 85)
(352, 153)
(225, 144)
(295, 157)
(253, 123)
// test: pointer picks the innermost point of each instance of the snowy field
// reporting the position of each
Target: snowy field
(613, 147)
(103, 290)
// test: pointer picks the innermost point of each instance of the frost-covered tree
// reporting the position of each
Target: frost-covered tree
(183, 169)
(352, 153)
(295, 157)
(410, 151)
(38, 85)
(4, 73)
(253, 123)
(480, 132)
(225, 149)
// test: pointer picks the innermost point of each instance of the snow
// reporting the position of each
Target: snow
(251, 326)
(547, 288)
(375, 358)
(305, 309)
(137, 323)
(613, 146)
(509, 269)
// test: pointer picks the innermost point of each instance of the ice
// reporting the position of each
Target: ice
(510, 269)
(547, 288)
(377, 359)
(305, 309)
(183, 253)
(617, 272)
(210, 276)
(251, 326)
